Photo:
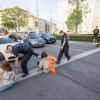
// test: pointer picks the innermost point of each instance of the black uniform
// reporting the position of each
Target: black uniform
(65, 48)
(27, 52)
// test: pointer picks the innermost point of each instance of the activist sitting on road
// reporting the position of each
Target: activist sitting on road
(47, 63)
(27, 52)
(43, 64)
(7, 76)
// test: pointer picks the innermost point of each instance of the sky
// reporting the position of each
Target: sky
(47, 8)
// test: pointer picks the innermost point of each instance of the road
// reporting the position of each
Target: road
(77, 79)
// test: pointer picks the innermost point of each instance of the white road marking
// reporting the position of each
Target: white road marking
(32, 72)
(79, 56)
(76, 57)
(77, 50)
(69, 48)
(79, 42)
(83, 43)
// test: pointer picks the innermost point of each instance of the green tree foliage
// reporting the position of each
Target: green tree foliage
(14, 18)
(74, 19)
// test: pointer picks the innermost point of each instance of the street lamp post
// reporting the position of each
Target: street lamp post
(37, 13)
(51, 21)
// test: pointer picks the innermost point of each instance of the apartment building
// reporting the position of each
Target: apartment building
(64, 10)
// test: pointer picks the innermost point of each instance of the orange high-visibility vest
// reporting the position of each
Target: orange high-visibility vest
(51, 66)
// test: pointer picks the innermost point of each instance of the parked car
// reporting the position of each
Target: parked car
(35, 40)
(4, 55)
(15, 37)
(48, 38)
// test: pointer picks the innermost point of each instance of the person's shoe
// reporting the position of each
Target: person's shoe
(68, 58)
(97, 45)
(57, 62)
(24, 75)
(39, 69)
(38, 63)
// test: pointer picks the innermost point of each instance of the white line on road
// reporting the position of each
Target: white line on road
(79, 42)
(79, 56)
(83, 43)
(69, 48)
(76, 57)
(77, 50)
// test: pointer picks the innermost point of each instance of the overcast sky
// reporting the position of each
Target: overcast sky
(46, 8)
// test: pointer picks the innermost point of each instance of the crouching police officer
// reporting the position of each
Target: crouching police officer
(64, 49)
(27, 52)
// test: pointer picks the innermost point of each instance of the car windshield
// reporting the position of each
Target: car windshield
(5, 41)
(34, 36)
(14, 35)
(46, 34)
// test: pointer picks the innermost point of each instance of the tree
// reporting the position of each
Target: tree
(14, 18)
(77, 13)
(74, 19)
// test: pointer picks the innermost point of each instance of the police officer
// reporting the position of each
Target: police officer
(27, 52)
(64, 49)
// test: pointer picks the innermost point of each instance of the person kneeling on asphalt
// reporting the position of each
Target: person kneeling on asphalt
(7, 76)
(46, 63)
(27, 52)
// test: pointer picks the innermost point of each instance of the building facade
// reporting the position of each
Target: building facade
(64, 10)
(96, 21)
(47, 26)
(34, 24)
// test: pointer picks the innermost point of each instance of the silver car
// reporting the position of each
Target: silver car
(35, 40)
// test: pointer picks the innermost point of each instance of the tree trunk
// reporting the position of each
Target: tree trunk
(77, 9)
(76, 29)
(16, 30)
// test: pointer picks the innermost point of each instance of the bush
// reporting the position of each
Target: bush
(81, 37)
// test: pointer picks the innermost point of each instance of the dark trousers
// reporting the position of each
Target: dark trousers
(25, 60)
(65, 51)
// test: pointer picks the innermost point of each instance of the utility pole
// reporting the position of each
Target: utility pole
(77, 10)
(37, 13)
(51, 21)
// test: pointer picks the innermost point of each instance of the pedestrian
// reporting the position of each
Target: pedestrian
(95, 36)
(47, 63)
(64, 49)
(7, 76)
(27, 52)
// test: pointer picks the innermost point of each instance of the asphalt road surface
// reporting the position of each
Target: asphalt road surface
(78, 79)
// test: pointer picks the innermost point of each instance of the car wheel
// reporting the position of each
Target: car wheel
(54, 42)
(45, 41)
(2, 57)
(30, 44)
(44, 45)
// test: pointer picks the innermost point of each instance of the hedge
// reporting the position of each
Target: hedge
(81, 37)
